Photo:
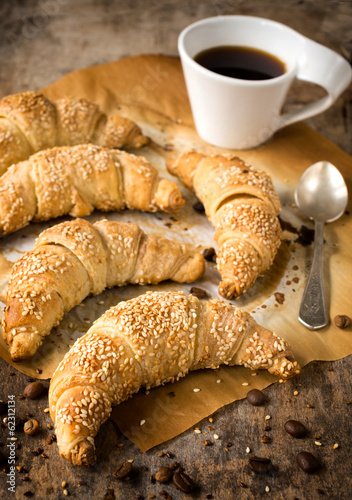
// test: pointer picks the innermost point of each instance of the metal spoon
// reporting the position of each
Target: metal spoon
(321, 194)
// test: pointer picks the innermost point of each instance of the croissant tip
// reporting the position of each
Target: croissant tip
(228, 290)
(85, 455)
(171, 165)
(286, 367)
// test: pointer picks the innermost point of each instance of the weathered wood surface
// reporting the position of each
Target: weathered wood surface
(40, 42)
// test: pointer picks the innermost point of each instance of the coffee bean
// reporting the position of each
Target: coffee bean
(34, 390)
(122, 470)
(296, 429)
(209, 254)
(256, 397)
(199, 207)
(199, 292)
(164, 475)
(17, 422)
(31, 427)
(3, 407)
(183, 482)
(259, 465)
(308, 462)
(342, 321)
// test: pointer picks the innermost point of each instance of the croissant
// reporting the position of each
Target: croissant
(242, 205)
(148, 341)
(29, 122)
(74, 259)
(75, 180)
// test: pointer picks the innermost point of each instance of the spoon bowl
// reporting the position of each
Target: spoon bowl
(321, 194)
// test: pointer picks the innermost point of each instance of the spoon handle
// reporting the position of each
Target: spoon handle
(313, 313)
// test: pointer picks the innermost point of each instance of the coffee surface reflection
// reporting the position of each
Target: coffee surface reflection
(244, 63)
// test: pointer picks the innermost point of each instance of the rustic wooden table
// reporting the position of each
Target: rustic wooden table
(42, 40)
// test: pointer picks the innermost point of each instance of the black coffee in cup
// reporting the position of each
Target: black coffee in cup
(244, 63)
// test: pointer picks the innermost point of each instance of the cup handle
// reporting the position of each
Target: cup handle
(324, 67)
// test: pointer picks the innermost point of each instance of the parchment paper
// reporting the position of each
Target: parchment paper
(150, 90)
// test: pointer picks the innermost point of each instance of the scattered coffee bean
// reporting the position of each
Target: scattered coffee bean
(51, 439)
(122, 470)
(256, 397)
(31, 427)
(295, 429)
(209, 254)
(342, 321)
(259, 465)
(183, 482)
(37, 452)
(164, 475)
(308, 462)
(266, 439)
(199, 292)
(17, 422)
(3, 407)
(34, 390)
(199, 207)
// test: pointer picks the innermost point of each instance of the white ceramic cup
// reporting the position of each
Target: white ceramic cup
(242, 114)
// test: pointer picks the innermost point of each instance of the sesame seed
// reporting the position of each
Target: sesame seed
(248, 450)
(196, 389)
(142, 422)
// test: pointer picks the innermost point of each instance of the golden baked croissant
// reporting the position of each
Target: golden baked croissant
(242, 205)
(29, 122)
(148, 341)
(76, 179)
(74, 259)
